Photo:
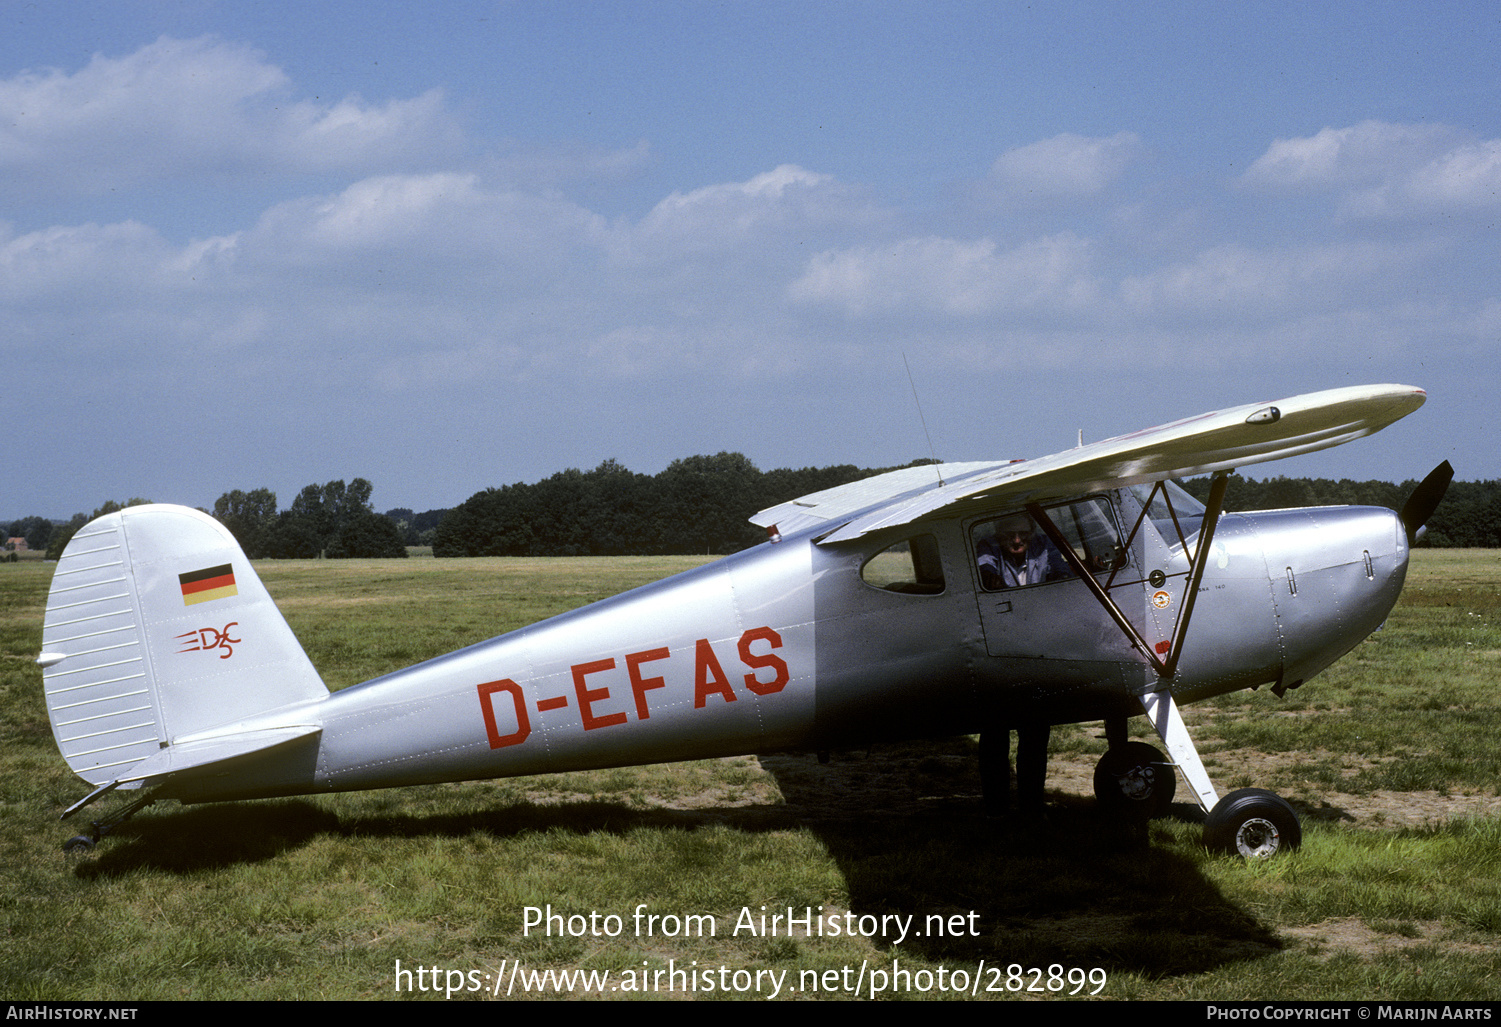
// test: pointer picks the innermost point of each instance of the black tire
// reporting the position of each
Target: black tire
(1134, 781)
(78, 845)
(1252, 823)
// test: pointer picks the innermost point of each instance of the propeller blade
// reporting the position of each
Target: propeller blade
(1425, 499)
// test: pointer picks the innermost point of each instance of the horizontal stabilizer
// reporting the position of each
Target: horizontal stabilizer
(198, 754)
(203, 752)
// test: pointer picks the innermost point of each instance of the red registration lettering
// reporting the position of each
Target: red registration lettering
(770, 660)
(487, 710)
(708, 676)
(709, 679)
(639, 684)
(588, 696)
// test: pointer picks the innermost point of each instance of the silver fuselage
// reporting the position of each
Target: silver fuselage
(787, 646)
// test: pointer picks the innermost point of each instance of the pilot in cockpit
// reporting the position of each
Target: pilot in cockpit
(1016, 554)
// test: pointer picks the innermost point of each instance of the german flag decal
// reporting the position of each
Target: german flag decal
(209, 583)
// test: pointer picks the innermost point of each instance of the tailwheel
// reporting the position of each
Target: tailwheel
(79, 845)
(83, 844)
(1252, 823)
(1134, 781)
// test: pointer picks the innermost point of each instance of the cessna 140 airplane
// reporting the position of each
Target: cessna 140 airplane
(932, 600)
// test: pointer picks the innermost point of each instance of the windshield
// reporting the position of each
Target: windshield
(1188, 510)
(1184, 505)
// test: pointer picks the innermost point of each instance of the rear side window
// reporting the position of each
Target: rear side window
(911, 566)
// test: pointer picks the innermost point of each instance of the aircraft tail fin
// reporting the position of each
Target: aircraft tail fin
(158, 630)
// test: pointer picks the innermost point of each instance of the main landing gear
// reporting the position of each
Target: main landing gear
(1133, 780)
(1253, 823)
(1135, 783)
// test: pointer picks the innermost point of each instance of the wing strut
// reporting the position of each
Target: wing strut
(1163, 668)
(1196, 566)
(1082, 573)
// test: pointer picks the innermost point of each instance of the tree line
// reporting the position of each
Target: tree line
(333, 520)
(699, 504)
(1469, 516)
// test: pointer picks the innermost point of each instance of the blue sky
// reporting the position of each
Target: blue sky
(456, 245)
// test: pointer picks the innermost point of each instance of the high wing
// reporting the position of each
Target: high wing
(1216, 441)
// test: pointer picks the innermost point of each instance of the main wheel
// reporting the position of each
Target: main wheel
(1252, 823)
(1134, 780)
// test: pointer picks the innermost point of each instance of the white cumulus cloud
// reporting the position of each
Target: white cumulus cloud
(1466, 175)
(1243, 280)
(104, 262)
(726, 214)
(439, 218)
(1379, 169)
(1066, 164)
(949, 276)
(177, 108)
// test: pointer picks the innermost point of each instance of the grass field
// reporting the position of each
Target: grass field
(1393, 757)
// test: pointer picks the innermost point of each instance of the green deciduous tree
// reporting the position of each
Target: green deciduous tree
(320, 511)
(369, 535)
(249, 516)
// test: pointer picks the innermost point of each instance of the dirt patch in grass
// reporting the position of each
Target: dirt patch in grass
(1355, 936)
(1285, 773)
(942, 778)
(1383, 809)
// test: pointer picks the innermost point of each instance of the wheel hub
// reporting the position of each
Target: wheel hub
(1137, 783)
(1257, 838)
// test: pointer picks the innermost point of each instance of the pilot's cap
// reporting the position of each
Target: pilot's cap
(1017, 523)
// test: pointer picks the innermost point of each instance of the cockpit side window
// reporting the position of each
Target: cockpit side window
(1013, 550)
(911, 566)
(1090, 530)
